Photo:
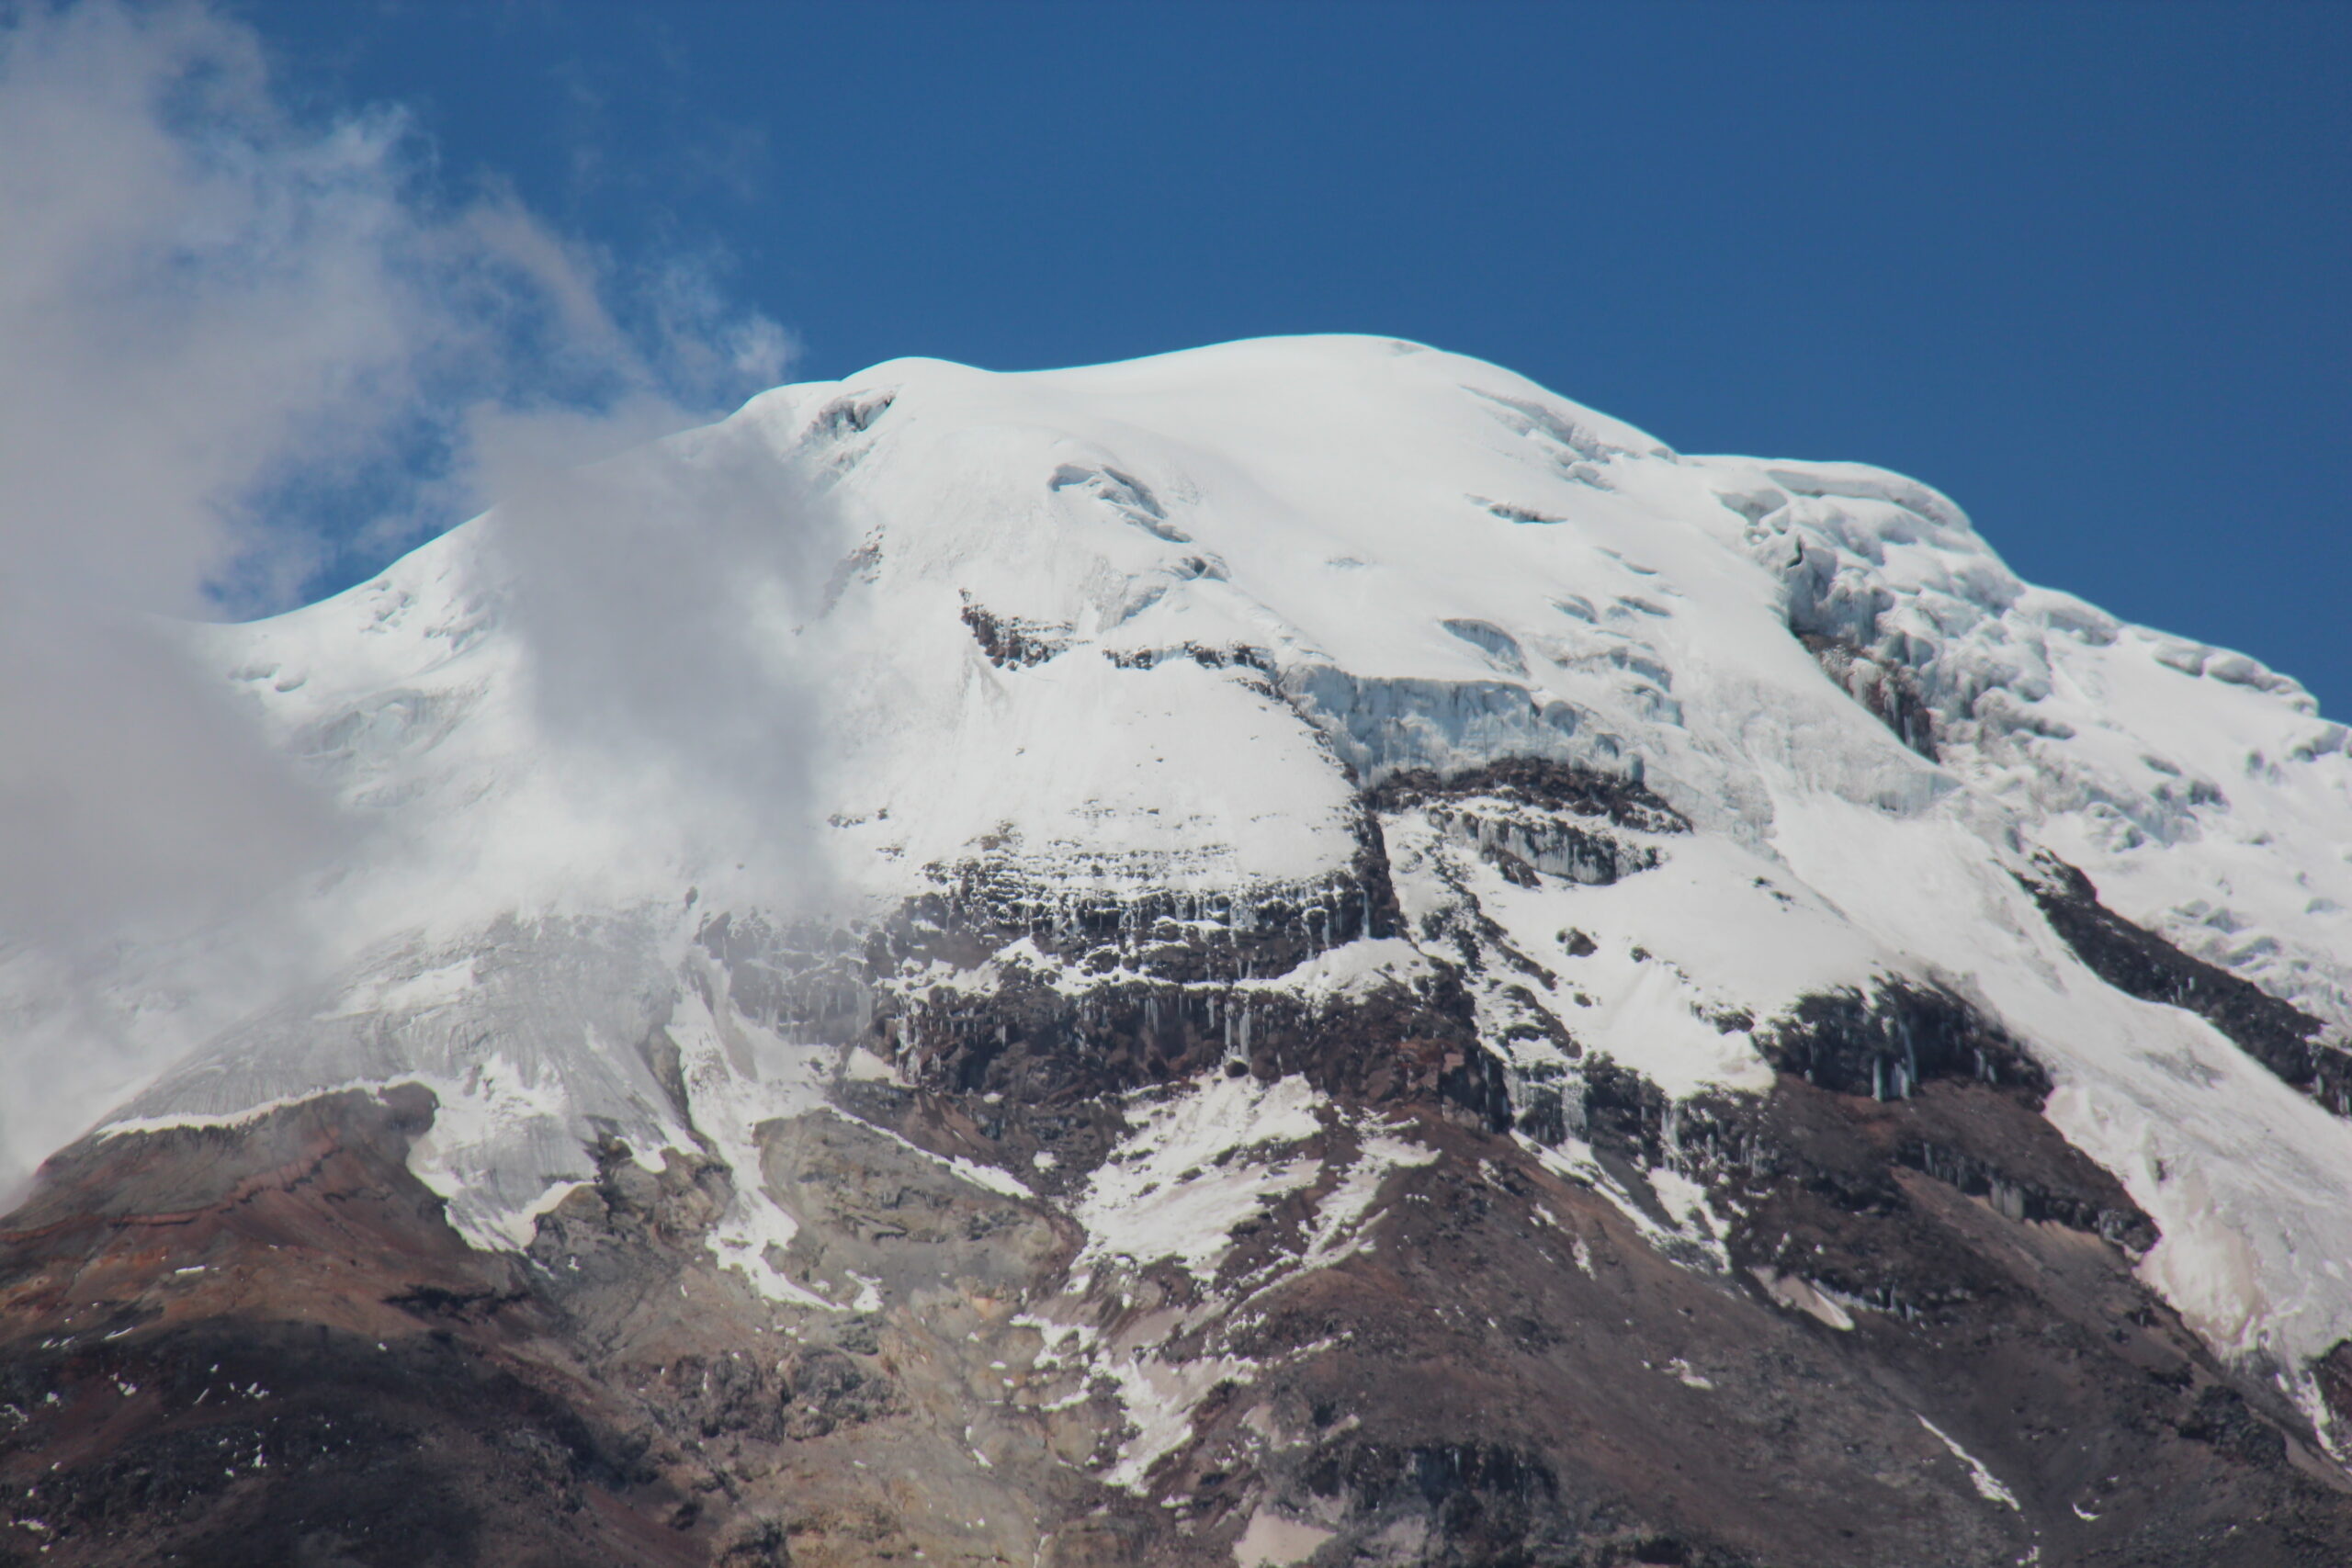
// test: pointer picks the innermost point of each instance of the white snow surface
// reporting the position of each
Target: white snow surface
(1988, 1485)
(1196, 1165)
(1253, 579)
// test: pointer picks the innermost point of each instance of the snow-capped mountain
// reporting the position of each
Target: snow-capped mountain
(1079, 917)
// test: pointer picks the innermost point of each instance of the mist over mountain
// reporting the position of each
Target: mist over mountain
(1300, 952)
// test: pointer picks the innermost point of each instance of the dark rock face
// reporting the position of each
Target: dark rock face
(261, 1345)
(1013, 644)
(1888, 1044)
(1557, 787)
(1902, 1328)
(2139, 963)
(1030, 1043)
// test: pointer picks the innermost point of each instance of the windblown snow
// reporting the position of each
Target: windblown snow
(1154, 627)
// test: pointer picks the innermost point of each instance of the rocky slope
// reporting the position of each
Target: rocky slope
(1301, 953)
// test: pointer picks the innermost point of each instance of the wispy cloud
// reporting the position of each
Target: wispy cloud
(219, 323)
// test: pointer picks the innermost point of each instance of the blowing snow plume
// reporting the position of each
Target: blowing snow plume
(236, 346)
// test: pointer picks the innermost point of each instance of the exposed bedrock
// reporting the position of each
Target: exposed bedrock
(2139, 963)
(1888, 1043)
(1037, 1046)
(1623, 801)
(263, 1345)
(1012, 644)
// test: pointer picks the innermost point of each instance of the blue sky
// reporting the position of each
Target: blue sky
(2083, 266)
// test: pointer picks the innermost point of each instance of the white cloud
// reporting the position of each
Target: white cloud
(209, 309)
(660, 595)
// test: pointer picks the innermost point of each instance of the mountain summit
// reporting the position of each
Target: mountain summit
(1297, 953)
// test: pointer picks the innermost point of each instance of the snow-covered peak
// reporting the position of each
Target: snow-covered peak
(1086, 639)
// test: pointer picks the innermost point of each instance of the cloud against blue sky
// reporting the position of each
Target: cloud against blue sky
(238, 341)
(212, 308)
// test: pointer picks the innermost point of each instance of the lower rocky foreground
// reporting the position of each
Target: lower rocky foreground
(1430, 1340)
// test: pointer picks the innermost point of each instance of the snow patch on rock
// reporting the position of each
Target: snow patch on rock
(1199, 1162)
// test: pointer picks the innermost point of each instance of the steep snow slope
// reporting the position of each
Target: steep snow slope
(1114, 648)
